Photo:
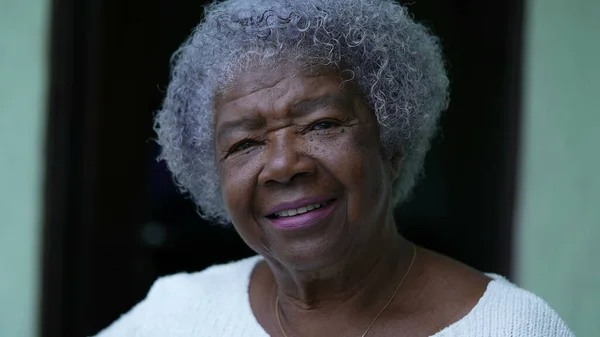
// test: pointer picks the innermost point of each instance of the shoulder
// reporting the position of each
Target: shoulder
(186, 289)
(177, 302)
(218, 277)
(507, 310)
(524, 311)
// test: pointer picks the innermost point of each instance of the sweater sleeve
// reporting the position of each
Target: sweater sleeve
(213, 302)
(143, 318)
(534, 317)
(506, 310)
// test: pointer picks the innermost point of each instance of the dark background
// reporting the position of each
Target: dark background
(114, 222)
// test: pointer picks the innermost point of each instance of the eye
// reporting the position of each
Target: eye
(243, 145)
(324, 125)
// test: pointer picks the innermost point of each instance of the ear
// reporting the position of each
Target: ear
(394, 164)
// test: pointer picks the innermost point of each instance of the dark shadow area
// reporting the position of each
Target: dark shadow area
(114, 220)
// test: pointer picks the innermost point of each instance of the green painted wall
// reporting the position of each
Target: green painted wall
(559, 214)
(23, 35)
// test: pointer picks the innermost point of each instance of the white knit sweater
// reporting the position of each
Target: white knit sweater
(215, 303)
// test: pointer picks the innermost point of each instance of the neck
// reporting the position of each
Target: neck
(356, 284)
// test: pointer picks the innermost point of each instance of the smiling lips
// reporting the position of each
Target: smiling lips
(300, 214)
(296, 211)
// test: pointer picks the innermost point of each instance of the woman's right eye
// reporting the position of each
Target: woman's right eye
(241, 146)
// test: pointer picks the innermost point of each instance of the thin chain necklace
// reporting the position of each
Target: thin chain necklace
(380, 312)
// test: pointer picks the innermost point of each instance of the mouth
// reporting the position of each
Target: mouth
(301, 215)
(292, 212)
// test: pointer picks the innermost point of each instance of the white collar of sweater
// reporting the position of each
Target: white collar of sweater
(215, 303)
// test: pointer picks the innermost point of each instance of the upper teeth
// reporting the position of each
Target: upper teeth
(301, 210)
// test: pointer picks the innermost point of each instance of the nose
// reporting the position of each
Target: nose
(285, 160)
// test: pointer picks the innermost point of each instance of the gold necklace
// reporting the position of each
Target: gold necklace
(380, 312)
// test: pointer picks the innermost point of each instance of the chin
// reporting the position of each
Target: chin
(313, 254)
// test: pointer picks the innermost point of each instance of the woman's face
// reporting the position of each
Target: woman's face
(300, 164)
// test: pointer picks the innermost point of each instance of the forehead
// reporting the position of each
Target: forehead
(278, 87)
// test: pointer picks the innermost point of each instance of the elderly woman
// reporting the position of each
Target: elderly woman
(304, 123)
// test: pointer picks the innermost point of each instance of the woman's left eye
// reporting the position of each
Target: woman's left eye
(323, 125)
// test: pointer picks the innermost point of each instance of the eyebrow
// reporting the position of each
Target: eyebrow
(305, 107)
(248, 123)
(253, 122)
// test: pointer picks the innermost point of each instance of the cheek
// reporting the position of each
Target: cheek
(238, 185)
(361, 169)
(238, 178)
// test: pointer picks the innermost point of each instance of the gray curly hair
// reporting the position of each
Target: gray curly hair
(395, 62)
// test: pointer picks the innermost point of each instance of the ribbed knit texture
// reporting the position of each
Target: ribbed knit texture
(215, 303)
